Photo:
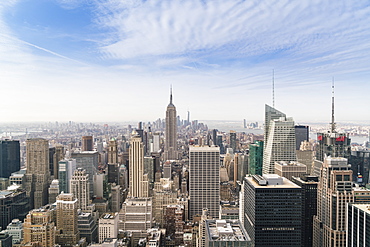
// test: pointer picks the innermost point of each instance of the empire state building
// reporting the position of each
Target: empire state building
(170, 151)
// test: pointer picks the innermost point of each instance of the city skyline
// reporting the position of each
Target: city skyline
(85, 61)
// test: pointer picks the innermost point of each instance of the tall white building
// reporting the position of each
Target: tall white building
(136, 217)
(79, 185)
(108, 226)
(170, 150)
(15, 229)
(138, 186)
(204, 188)
(280, 144)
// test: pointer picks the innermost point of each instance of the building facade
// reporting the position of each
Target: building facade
(170, 150)
(272, 211)
(204, 179)
(138, 186)
(9, 157)
(37, 177)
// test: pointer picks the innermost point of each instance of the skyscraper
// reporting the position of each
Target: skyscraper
(9, 157)
(280, 144)
(358, 227)
(67, 231)
(87, 143)
(66, 170)
(333, 144)
(39, 228)
(79, 187)
(233, 140)
(204, 172)
(333, 193)
(301, 134)
(37, 177)
(58, 156)
(272, 210)
(138, 186)
(89, 161)
(309, 205)
(270, 114)
(171, 132)
(255, 158)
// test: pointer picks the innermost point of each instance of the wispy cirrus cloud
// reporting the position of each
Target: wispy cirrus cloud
(314, 33)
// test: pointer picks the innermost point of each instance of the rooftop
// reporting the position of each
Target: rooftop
(226, 230)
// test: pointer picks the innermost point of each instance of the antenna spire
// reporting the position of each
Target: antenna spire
(171, 94)
(332, 108)
(273, 88)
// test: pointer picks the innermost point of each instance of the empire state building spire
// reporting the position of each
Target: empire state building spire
(171, 131)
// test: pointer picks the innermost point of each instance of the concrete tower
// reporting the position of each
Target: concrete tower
(87, 143)
(67, 231)
(37, 177)
(138, 187)
(171, 132)
(204, 189)
(39, 228)
(79, 187)
(334, 191)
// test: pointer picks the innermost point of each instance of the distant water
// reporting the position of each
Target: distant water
(237, 126)
(226, 126)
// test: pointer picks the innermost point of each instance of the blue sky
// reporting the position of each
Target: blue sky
(113, 60)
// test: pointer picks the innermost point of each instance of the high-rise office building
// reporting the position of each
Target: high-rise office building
(301, 134)
(39, 228)
(138, 186)
(87, 143)
(58, 156)
(112, 152)
(233, 140)
(87, 226)
(360, 165)
(108, 226)
(53, 191)
(66, 168)
(67, 231)
(290, 169)
(358, 225)
(255, 158)
(309, 206)
(9, 157)
(171, 132)
(79, 187)
(204, 187)
(272, 210)
(280, 144)
(333, 144)
(136, 217)
(37, 177)
(88, 160)
(14, 204)
(270, 114)
(333, 193)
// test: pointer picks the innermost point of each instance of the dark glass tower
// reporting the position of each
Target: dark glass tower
(9, 157)
(272, 211)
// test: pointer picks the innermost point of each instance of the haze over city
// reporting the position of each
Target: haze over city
(112, 60)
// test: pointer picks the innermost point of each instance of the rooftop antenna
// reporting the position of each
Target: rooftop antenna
(332, 108)
(273, 88)
(171, 94)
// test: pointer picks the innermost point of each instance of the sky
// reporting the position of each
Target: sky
(115, 60)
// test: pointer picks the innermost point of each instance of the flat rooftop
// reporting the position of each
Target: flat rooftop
(286, 183)
(226, 230)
